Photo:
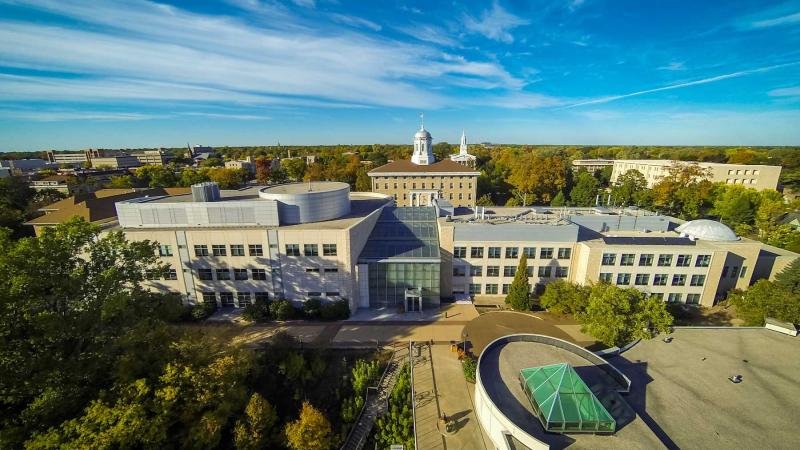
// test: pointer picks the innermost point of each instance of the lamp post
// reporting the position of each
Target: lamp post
(466, 335)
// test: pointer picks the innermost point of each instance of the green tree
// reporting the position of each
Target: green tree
(363, 183)
(365, 374)
(789, 278)
(519, 292)
(585, 191)
(157, 176)
(295, 168)
(311, 431)
(190, 176)
(684, 192)
(618, 316)
(734, 204)
(563, 297)
(485, 200)
(397, 425)
(766, 299)
(257, 428)
(120, 182)
(14, 196)
(629, 188)
(558, 200)
(227, 178)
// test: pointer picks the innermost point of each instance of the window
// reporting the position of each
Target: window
(219, 250)
(170, 274)
(164, 250)
(312, 269)
(259, 274)
(313, 294)
(460, 252)
(509, 271)
(725, 271)
(529, 252)
(226, 298)
(702, 261)
(683, 260)
(152, 274)
(209, 297)
(223, 274)
(529, 271)
(545, 271)
(459, 271)
(256, 250)
(328, 249)
(491, 289)
(744, 270)
(292, 250)
(506, 287)
(476, 271)
(261, 297)
(605, 277)
(664, 260)
(331, 294)
(623, 279)
(645, 259)
(735, 272)
(546, 253)
(626, 259)
(311, 249)
(561, 272)
(476, 252)
(512, 252)
(678, 280)
(237, 250)
(658, 295)
(474, 288)
(243, 298)
(564, 253)
(697, 280)
(660, 279)
(674, 298)
(200, 250)
(609, 259)
(494, 252)
(692, 299)
(642, 279)
(492, 271)
(204, 274)
(330, 270)
(240, 274)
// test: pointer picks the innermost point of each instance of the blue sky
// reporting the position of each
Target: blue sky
(76, 74)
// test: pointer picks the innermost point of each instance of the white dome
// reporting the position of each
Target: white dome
(707, 230)
(422, 134)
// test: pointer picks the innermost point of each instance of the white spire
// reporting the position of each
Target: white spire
(423, 150)
(462, 149)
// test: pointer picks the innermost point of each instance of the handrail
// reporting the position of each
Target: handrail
(413, 396)
(366, 398)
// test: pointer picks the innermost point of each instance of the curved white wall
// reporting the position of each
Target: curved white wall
(297, 206)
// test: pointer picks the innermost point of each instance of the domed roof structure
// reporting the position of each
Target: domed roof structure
(422, 134)
(707, 230)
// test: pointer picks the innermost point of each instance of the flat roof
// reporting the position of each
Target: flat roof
(303, 188)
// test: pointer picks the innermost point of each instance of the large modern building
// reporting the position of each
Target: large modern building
(423, 180)
(592, 165)
(752, 176)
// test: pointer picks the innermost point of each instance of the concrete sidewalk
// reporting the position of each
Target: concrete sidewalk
(426, 402)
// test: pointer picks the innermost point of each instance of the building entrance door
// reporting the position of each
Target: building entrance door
(413, 300)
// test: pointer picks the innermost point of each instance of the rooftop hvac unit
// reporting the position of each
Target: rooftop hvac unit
(205, 192)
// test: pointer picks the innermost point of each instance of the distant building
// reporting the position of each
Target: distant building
(463, 157)
(591, 165)
(196, 150)
(153, 157)
(116, 162)
(25, 165)
(73, 158)
(5, 172)
(61, 183)
(422, 180)
(757, 177)
(245, 164)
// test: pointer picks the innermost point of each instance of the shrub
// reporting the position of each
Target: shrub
(202, 311)
(312, 308)
(257, 312)
(336, 310)
(281, 310)
(470, 366)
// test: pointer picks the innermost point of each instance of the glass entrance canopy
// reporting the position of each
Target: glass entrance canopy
(563, 402)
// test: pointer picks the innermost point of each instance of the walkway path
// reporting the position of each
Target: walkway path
(426, 401)
(376, 403)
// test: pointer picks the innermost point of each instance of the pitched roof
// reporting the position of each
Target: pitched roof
(406, 166)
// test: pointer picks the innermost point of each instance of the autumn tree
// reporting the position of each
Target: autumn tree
(363, 183)
(629, 188)
(263, 167)
(311, 431)
(684, 192)
(585, 191)
(537, 178)
(120, 182)
(617, 316)
(256, 430)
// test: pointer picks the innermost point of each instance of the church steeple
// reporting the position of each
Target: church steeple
(462, 149)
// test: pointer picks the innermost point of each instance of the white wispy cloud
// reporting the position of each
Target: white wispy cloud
(675, 65)
(714, 79)
(429, 33)
(495, 23)
(61, 115)
(777, 21)
(785, 92)
(144, 50)
(356, 21)
(305, 3)
(575, 4)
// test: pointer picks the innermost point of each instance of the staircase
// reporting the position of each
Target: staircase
(376, 401)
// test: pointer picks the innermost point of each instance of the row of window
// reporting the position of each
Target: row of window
(510, 271)
(659, 279)
(310, 249)
(646, 259)
(222, 250)
(242, 299)
(460, 196)
(734, 272)
(168, 274)
(512, 252)
(425, 177)
(206, 274)
(432, 186)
